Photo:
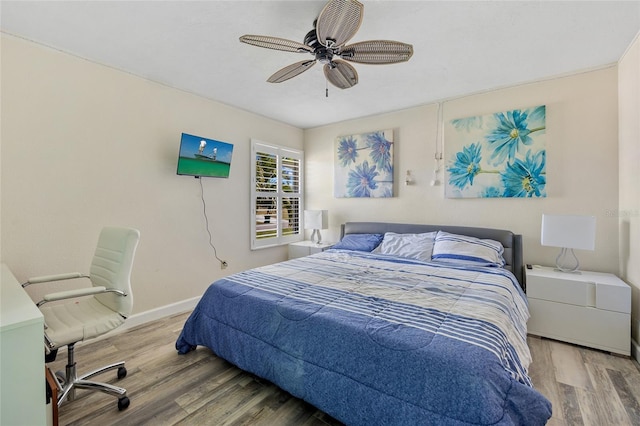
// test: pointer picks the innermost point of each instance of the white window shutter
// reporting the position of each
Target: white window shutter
(276, 194)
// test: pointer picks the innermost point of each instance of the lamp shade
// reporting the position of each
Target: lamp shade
(568, 231)
(316, 219)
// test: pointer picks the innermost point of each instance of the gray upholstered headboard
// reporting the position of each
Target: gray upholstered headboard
(511, 242)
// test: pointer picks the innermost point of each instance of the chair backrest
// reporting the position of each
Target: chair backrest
(111, 266)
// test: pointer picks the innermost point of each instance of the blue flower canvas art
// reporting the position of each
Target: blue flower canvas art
(364, 165)
(497, 155)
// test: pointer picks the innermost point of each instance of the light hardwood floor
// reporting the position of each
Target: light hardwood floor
(586, 387)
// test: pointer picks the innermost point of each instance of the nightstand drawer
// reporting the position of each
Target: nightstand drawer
(596, 328)
(561, 290)
(591, 289)
(613, 297)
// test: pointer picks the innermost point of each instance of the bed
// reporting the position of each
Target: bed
(397, 325)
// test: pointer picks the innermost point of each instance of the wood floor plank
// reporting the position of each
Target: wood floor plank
(585, 386)
(605, 359)
(633, 381)
(233, 399)
(610, 411)
(555, 421)
(594, 411)
(262, 413)
(245, 412)
(292, 412)
(570, 405)
(212, 389)
(221, 372)
(569, 365)
(631, 404)
(543, 374)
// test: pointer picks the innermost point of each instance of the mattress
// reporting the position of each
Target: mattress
(373, 339)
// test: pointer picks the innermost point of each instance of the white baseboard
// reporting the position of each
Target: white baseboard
(635, 338)
(158, 313)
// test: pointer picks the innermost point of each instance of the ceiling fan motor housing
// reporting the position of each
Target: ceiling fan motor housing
(323, 54)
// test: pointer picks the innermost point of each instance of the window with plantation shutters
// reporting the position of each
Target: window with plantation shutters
(276, 194)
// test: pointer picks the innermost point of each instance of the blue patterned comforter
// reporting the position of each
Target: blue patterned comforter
(378, 340)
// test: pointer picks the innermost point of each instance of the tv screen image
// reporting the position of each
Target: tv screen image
(204, 157)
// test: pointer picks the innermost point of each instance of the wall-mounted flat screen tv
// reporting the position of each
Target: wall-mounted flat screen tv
(202, 157)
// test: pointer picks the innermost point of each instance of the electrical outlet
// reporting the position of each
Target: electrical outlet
(223, 264)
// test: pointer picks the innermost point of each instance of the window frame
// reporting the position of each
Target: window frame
(280, 152)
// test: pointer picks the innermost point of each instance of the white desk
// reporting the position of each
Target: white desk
(22, 374)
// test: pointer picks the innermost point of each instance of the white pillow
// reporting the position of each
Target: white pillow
(465, 250)
(413, 246)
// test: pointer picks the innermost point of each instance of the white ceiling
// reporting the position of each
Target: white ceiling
(459, 47)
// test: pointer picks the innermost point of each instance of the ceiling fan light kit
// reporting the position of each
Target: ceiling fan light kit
(336, 25)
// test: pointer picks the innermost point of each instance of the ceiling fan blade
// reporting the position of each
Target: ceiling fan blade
(339, 21)
(377, 52)
(291, 71)
(275, 43)
(341, 74)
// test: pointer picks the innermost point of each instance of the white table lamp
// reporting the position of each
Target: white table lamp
(568, 232)
(316, 220)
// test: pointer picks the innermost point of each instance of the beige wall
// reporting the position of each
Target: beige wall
(628, 212)
(582, 164)
(84, 146)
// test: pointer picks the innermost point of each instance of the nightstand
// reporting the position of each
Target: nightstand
(305, 248)
(590, 309)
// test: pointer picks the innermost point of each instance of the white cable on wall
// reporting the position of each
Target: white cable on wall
(438, 152)
(223, 264)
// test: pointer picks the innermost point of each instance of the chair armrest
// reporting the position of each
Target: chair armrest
(70, 294)
(57, 277)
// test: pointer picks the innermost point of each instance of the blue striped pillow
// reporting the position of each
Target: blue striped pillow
(359, 242)
(465, 250)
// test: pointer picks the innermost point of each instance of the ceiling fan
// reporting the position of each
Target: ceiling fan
(337, 23)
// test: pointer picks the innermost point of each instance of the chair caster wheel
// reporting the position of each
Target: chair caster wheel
(122, 373)
(123, 403)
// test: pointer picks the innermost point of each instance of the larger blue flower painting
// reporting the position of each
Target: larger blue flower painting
(497, 155)
(364, 165)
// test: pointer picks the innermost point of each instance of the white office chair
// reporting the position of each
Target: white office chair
(91, 311)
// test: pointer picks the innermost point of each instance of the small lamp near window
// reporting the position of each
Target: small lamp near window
(568, 232)
(316, 220)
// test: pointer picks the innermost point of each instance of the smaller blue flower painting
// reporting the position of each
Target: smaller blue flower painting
(364, 165)
(497, 155)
